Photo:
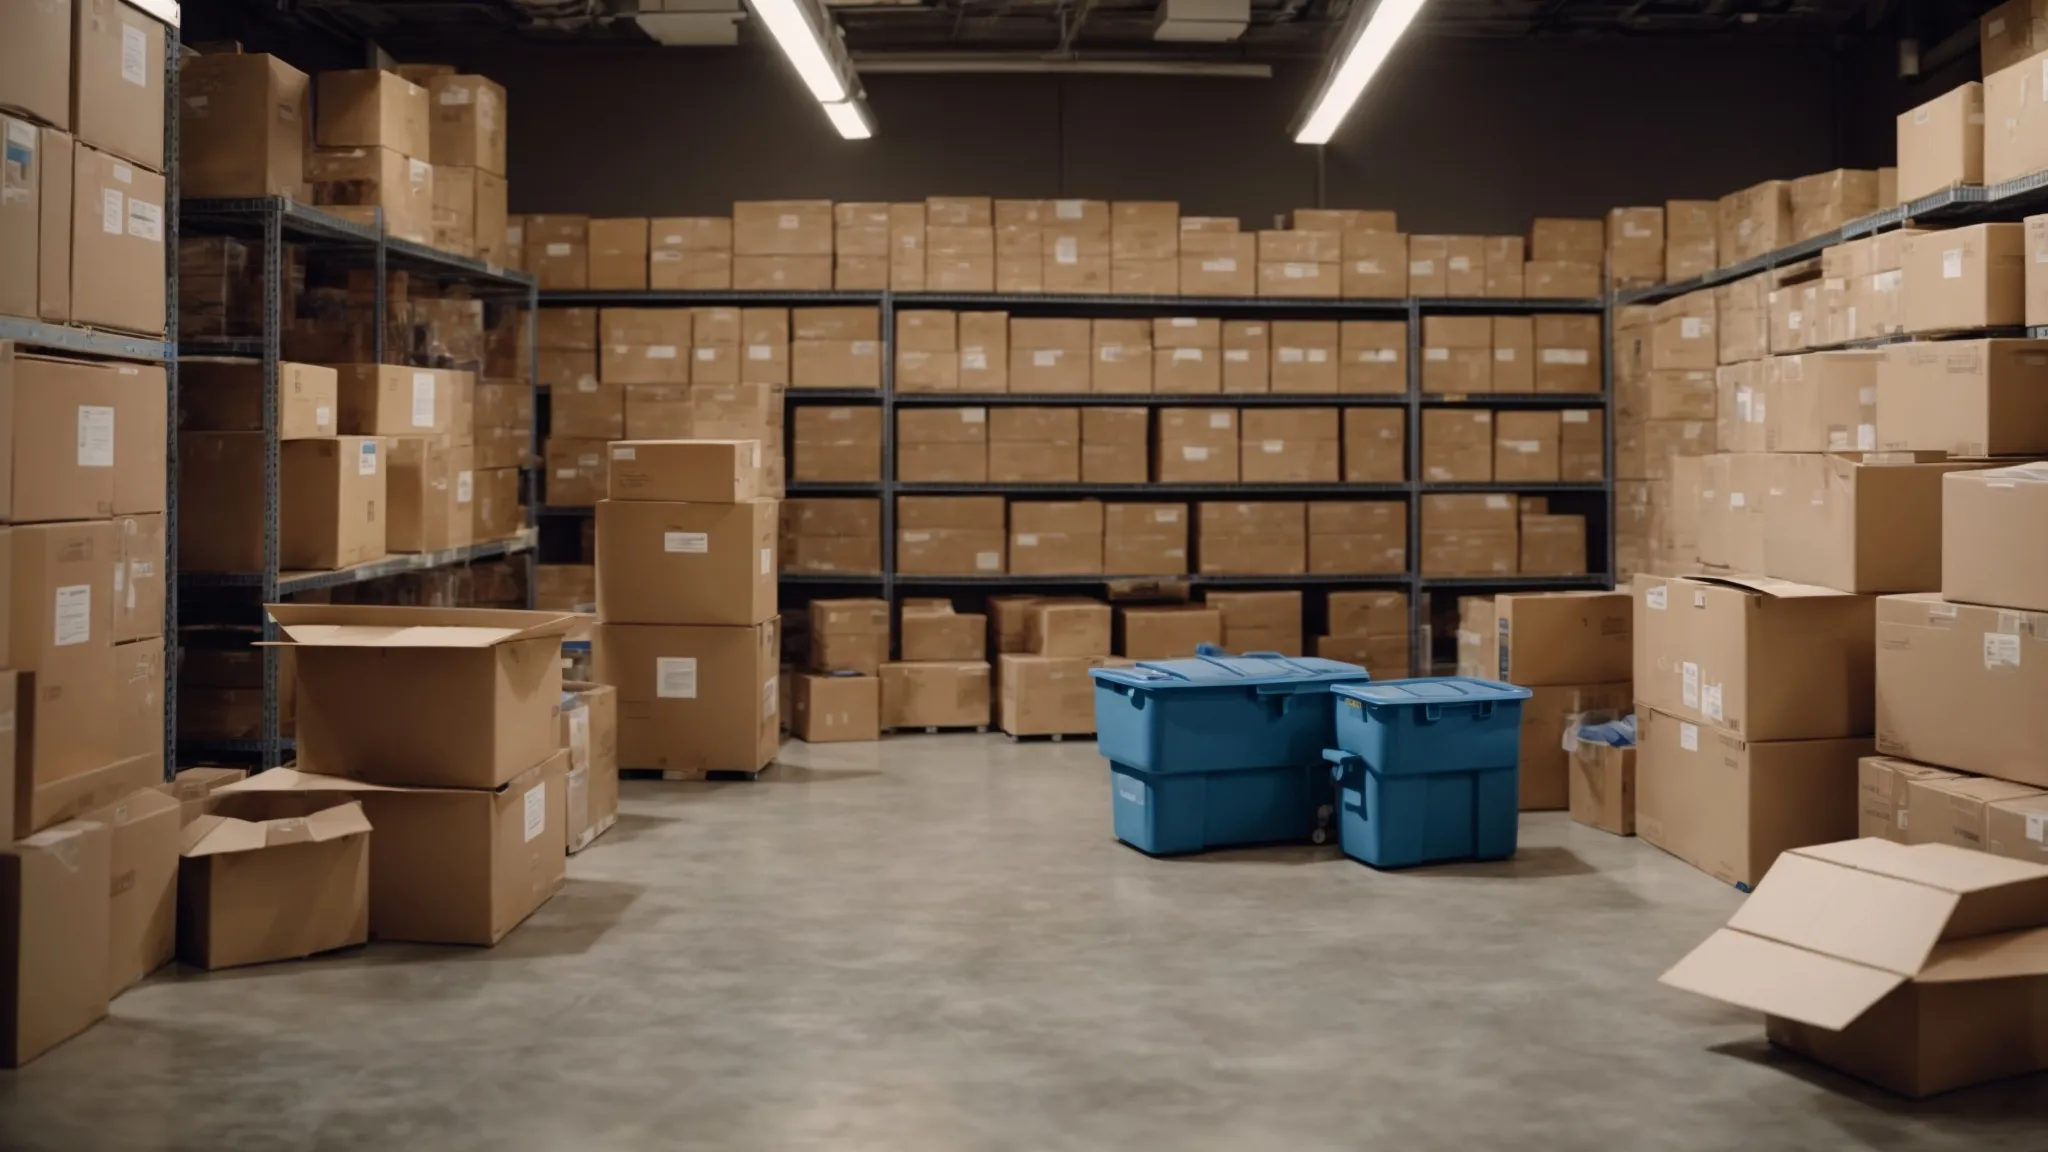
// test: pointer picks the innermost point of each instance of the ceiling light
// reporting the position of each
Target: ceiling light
(847, 116)
(800, 42)
(1367, 52)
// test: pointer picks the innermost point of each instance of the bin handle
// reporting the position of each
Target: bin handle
(1342, 764)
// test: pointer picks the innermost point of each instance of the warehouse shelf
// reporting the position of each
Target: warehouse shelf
(1515, 583)
(1508, 305)
(1234, 490)
(296, 221)
(833, 488)
(655, 297)
(1150, 399)
(1528, 488)
(1059, 304)
(1319, 579)
(830, 577)
(235, 748)
(832, 395)
(290, 582)
(88, 341)
(1514, 399)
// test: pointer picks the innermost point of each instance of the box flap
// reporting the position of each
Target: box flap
(377, 626)
(1838, 910)
(1998, 957)
(1764, 975)
(1942, 866)
(213, 834)
(2034, 473)
(1768, 586)
(293, 780)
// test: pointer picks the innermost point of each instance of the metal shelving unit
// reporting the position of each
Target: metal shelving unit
(269, 223)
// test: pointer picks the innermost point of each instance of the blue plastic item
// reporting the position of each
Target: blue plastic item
(1174, 813)
(1259, 710)
(1427, 770)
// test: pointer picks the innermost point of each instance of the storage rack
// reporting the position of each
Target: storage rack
(1413, 401)
(270, 223)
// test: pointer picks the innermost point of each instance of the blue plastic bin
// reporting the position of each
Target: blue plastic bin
(1427, 770)
(1259, 710)
(1175, 813)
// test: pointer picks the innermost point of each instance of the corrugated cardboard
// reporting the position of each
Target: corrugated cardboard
(1457, 444)
(1912, 967)
(1858, 522)
(1470, 534)
(1766, 659)
(2017, 829)
(950, 535)
(1526, 447)
(117, 90)
(1560, 638)
(1289, 446)
(1955, 687)
(468, 123)
(1954, 810)
(142, 884)
(60, 450)
(272, 876)
(1545, 767)
(1259, 621)
(1984, 556)
(53, 937)
(427, 697)
(935, 694)
(399, 187)
(1964, 397)
(1167, 632)
(36, 61)
(830, 709)
(1067, 628)
(849, 635)
(447, 865)
(1375, 445)
(1728, 806)
(117, 242)
(931, 630)
(1268, 538)
(1357, 537)
(1145, 539)
(1034, 445)
(1963, 278)
(1883, 795)
(1603, 781)
(692, 698)
(590, 733)
(1197, 445)
(681, 563)
(221, 395)
(1046, 695)
(241, 125)
(1941, 142)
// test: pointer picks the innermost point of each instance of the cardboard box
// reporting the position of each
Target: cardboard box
(1197, 446)
(1046, 695)
(1729, 806)
(1167, 633)
(590, 734)
(984, 352)
(1357, 537)
(662, 562)
(1372, 357)
(1953, 685)
(699, 471)
(1560, 280)
(35, 223)
(241, 126)
(468, 123)
(1230, 270)
(447, 865)
(1982, 559)
(1115, 443)
(1067, 627)
(1428, 265)
(1767, 659)
(849, 635)
(782, 228)
(224, 395)
(837, 444)
(1953, 810)
(1055, 538)
(1247, 354)
(1034, 445)
(471, 704)
(1561, 638)
(1259, 621)
(1635, 257)
(692, 699)
(1305, 356)
(1385, 657)
(1268, 538)
(36, 62)
(1883, 790)
(935, 694)
(1457, 354)
(54, 937)
(1188, 369)
(1582, 445)
(1964, 397)
(143, 882)
(832, 535)
(1603, 786)
(1941, 143)
(931, 630)
(1145, 539)
(1009, 621)
(1568, 354)
(942, 445)
(400, 186)
(1374, 613)
(1375, 446)
(141, 411)
(371, 108)
(1049, 356)
(60, 449)
(139, 575)
(1689, 238)
(618, 253)
(1860, 522)
(1899, 965)
(1526, 447)
(388, 400)
(1545, 767)
(950, 535)
(499, 510)
(1963, 278)
(1457, 445)
(1506, 272)
(2013, 120)
(272, 876)
(117, 81)
(2010, 33)
(117, 276)
(1475, 534)
(565, 587)
(831, 709)
(2013, 828)
(1514, 355)
(1289, 446)
(1552, 545)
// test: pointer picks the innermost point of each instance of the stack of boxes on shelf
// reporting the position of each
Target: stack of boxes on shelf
(838, 695)
(686, 604)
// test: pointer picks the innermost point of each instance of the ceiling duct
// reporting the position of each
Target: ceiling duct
(691, 23)
(1201, 21)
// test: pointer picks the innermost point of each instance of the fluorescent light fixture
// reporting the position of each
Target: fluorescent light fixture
(846, 115)
(1364, 57)
(799, 40)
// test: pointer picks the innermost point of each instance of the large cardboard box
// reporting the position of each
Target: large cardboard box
(1941, 142)
(679, 563)
(849, 635)
(59, 448)
(1115, 445)
(935, 694)
(334, 512)
(697, 471)
(1259, 621)
(1145, 539)
(1046, 695)
(61, 629)
(693, 698)
(1470, 534)
(1357, 537)
(117, 242)
(388, 400)
(1068, 627)
(467, 124)
(53, 937)
(35, 62)
(1864, 522)
(1457, 354)
(1883, 791)
(2014, 117)
(272, 876)
(1375, 445)
(2017, 829)
(35, 222)
(942, 445)
(590, 732)
(1034, 445)
(400, 187)
(931, 630)
(372, 108)
(427, 697)
(1049, 356)
(1914, 967)
(1766, 659)
(834, 708)
(1289, 446)
(950, 535)
(1560, 638)
(782, 228)
(1955, 686)
(1305, 355)
(447, 865)
(241, 126)
(117, 94)
(1526, 447)
(1268, 538)
(1728, 806)
(1985, 548)
(1167, 632)
(1962, 278)
(1372, 358)
(1964, 397)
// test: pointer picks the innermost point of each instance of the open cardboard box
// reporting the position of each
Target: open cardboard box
(1919, 968)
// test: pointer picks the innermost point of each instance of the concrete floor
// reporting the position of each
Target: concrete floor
(934, 944)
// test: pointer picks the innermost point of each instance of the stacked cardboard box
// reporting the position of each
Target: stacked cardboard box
(373, 156)
(686, 600)
(1056, 538)
(1034, 445)
(1267, 538)
(840, 534)
(1145, 539)
(1565, 259)
(860, 247)
(618, 252)
(839, 695)
(1166, 631)
(782, 245)
(1470, 534)
(950, 535)
(1573, 651)
(1370, 629)
(1216, 259)
(1046, 689)
(1260, 621)
(1635, 247)
(689, 253)
(960, 244)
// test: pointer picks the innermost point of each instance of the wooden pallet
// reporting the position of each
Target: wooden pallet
(689, 774)
(933, 730)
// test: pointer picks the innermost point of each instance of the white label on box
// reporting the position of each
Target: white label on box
(1066, 250)
(1067, 209)
(1194, 354)
(974, 361)
(622, 452)
(419, 170)
(95, 436)
(865, 347)
(1027, 539)
(1565, 356)
(536, 803)
(2001, 649)
(1272, 447)
(1994, 27)
(74, 614)
(916, 537)
(1497, 503)
(1219, 419)
(112, 220)
(1689, 328)
(1288, 355)
(1527, 447)
(789, 222)
(707, 353)
(145, 220)
(757, 352)
(2037, 827)
(1504, 355)
(586, 385)
(1952, 258)
(771, 695)
(134, 55)
(1297, 271)
(1388, 356)
(1461, 263)
(1318, 355)
(1710, 701)
(1866, 437)
(1422, 267)
(675, 677)
(557, 249)
(1112, 353)
(1220, 264)
(454, 97)
(465, 486)
(1194, 452)
(366, 459)
(1183, 322)
(1045, 357)
(837, 415)
(1656, 597)
(1742, 404)
(1237, 355)
(21, 135)
(423, 399)
(1737, 500)
(1699, 599)
(1436, 354)
(1576, 416)
(767, 560)
(988, 561)
(1166, 516)
(1688, 736)
(1794, 320)
(1366, 267)
(694, 542)
(661, 352)
(974, 415)
(1691, 691)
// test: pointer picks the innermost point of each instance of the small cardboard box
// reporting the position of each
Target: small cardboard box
(1115, 444)
(1168, 632)
(1883, 795)
(1545, 767)
(1962, 278)
(272, 876)
(446, 865)
(426, 697)
(1375, 446)
(223, 395)
(836, 444)
(1046, 695)
(1526, 447)
(1603, 785)
(1984, 559)
(697, 471)
(950, 535)
(372, 108)
(468, 124)
(1067, 628)
(782, 228)
(1548, 638)
(1912, 967)
(1268, 538)
(931, 630)
(661, 562)
(849, 635)
(386, 400)
(1941, 142)
(835, 708)
(693, 698)
(935, 694)
(55, 937)
(1953, 810)
(590, 732)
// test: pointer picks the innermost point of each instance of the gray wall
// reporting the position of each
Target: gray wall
(1456, 134)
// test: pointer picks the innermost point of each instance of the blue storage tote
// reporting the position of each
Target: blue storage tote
(1427, 770)
(1173, 813)
(1259, 710)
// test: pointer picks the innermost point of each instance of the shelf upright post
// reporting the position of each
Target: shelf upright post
(172, 53)
(273, 326)
(888, 485)
(1608, 411)
(530, 475)
(1419, 657)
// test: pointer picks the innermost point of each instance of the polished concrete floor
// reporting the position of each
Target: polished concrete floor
(933, 945)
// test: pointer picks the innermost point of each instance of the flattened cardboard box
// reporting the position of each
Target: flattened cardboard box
(693, 698)
(267, 875)
(1917, 968)
(425, 697)
(448, 865)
